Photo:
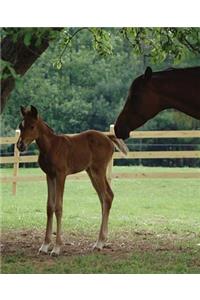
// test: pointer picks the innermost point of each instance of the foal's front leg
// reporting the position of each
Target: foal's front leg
(51, 184)
(60, 183)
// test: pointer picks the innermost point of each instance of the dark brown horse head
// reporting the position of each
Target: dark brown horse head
(153, 92)
(136, 110)
(28, 128)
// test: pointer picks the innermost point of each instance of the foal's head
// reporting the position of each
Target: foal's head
(28, 128)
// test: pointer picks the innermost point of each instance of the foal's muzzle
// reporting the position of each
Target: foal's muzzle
(21, 145)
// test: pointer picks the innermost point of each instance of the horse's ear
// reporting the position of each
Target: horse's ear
(23, 110)
(34, 112)
(148, 73)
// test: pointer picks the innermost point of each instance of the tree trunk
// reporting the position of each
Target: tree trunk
(21, 58)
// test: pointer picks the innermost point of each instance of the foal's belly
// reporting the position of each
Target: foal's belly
(79, 162)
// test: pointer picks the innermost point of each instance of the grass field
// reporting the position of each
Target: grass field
(154, 226)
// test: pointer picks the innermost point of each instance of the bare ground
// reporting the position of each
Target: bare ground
(27, 242)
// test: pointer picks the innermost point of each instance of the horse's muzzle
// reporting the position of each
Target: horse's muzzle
(121, 133)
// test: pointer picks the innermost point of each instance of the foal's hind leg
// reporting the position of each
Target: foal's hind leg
(105, 194)
(50, 210)
(60, 182)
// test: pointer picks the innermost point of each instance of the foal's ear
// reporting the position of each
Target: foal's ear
(148, 73)
(34, 112)
(23, 110)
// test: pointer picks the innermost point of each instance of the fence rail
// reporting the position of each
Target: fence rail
(17, 159)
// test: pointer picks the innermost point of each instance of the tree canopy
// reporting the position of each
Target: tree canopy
(76, 88)
(21, 47)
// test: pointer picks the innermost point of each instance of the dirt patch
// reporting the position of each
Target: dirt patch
(26, 243)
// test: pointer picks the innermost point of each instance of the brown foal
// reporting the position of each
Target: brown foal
(61, 155)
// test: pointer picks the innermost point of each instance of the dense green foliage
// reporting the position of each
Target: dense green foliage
(85, 93)
(156, 44)
(76, 88)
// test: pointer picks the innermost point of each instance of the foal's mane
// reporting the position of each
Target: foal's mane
(46, 125)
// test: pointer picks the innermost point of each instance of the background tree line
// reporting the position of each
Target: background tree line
(80, 88)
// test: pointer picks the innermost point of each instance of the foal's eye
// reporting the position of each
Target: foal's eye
(32, 126)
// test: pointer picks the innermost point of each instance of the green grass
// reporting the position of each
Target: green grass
(154, 226)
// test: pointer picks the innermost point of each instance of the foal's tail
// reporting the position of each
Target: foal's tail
(119, 144)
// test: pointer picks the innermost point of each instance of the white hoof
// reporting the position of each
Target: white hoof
(98, 245)
(55, 251)
(44, 248)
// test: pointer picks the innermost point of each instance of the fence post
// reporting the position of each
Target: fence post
(110, 165)
(16, 163)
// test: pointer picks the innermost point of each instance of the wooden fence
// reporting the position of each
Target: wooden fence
(17, 159)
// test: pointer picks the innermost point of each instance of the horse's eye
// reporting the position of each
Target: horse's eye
(32, 127)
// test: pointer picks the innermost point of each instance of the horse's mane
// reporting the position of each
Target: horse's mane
(173, 71)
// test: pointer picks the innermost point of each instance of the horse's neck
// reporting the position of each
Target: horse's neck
(177, 94)
(45, 139)
(185, 104)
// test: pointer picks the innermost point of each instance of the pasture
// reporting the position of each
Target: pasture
(154, 226)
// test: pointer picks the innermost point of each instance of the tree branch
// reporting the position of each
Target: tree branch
(190, 46)
(21, 57)
(68, 42)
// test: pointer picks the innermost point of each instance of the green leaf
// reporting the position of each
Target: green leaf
(58, 64)
(27, 38)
